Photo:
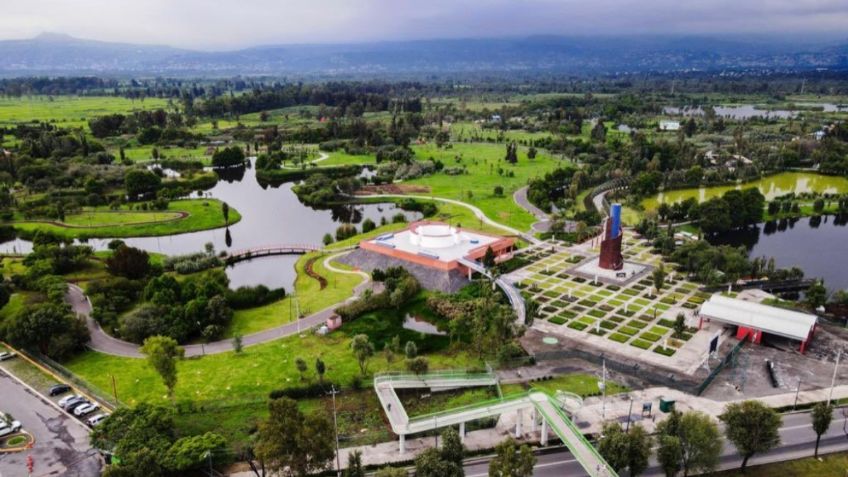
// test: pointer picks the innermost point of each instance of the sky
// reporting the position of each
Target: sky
(224, 25)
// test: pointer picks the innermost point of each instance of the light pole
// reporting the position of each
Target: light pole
(333, 392)
(833, 379)
(604, 391)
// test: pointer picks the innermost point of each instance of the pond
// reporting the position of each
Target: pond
(816, 245)
(743, 111)
(270, 216)
(771, 187)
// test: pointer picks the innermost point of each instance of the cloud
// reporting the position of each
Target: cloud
(225, 25)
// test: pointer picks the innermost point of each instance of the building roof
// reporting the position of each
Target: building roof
(770, 319)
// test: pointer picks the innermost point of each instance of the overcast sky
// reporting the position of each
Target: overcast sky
(223, 24)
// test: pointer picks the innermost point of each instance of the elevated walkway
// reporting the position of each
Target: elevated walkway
(514, 297)
(541, 405)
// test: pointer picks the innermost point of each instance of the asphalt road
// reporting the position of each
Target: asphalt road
(61, 443)
(797, 441)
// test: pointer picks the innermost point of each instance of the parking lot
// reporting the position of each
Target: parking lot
(61, 442)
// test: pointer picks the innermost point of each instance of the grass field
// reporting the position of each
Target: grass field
(69, 111)
(202, 214)
(833, 465)
(577, 383)
(482, 162)
(145, 153)
(310, 299)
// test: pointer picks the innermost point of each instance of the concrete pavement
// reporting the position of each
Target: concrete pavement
(61, 443)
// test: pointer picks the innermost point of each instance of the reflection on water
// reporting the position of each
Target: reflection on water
(418, 324)
(771, 186)
(744, 111)
(270, 216)
(273, 272)
(816, 245)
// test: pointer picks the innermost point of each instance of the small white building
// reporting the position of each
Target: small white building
(667, 125)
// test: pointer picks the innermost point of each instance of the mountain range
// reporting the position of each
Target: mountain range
(58, 54)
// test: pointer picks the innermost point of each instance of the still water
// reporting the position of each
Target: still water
(817, 245)
(269, 216)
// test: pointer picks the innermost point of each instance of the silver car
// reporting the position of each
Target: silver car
(9, 428)
(85, 409)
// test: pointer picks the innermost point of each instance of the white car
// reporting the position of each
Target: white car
(6, 355)
(85, 409)
(65, 400)
(97, 419)
(6, 429)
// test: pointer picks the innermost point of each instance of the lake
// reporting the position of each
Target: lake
(817, 245)
(270, 216)
(771, 187)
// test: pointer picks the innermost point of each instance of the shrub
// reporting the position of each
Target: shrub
(249, 297)
(313, 390)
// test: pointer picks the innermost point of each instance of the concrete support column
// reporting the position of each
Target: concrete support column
(533, 421)
(518, 423)
(544, 440)
(462, 432)
(402, 444)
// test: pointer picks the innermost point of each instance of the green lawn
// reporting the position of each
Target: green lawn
(145, 153)
(482, 162)
(833, 465)
(70, 111)
(203, 214)
(578, 383)
(310, 298)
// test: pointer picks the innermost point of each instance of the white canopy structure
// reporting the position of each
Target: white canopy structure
(753, 319)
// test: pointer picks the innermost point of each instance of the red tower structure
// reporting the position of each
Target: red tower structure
(611, 257)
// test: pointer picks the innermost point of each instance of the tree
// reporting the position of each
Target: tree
(162, 353)
(498, 191)
(531, 152)
(300, 364)
(599, 132)
(193, 452)
(225, 209)
(290, 440)
(822, 416)
(431, 464)
(328, 239)
(141, 435)
(489, 258)
(50, 328)
(320, 368)
(232, 156)
(715, 216)
(816, 294)
(512, 462)
(354, 465)
(362, 349)
(452, 448)
(625, 450)
(410, 350)
(752, 427)
(659, 277)
(368, 225)
(418, 365)
(511, 153)
(139, 182)
(679, 325)
(690, 442)
(129, 262)
(669, 454)
(237, 343)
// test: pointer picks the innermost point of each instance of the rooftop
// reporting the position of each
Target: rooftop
(770, 319)
(436, 241)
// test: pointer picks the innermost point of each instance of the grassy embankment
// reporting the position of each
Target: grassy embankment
(187, 215)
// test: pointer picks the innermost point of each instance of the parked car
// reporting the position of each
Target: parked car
(9, 428)
(75, 403)
(65, 400)
(96, 419)
(85, 409)
(7, 355)
(58, 389)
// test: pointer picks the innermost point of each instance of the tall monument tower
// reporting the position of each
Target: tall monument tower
(611, 258)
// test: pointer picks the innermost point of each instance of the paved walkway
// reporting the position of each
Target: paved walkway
(475, 210)
(104, 343)
(543, 223)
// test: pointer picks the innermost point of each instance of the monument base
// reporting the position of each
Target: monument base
(629, 271)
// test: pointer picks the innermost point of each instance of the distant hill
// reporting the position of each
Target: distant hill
(56, 54)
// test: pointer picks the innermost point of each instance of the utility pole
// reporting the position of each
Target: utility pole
(604, 391)
(333, 392)
(833, 379)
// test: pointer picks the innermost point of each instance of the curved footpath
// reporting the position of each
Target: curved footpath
(476, 211)
(104, 343)
(543, 223)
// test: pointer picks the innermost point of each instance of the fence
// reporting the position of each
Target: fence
(724, 362)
